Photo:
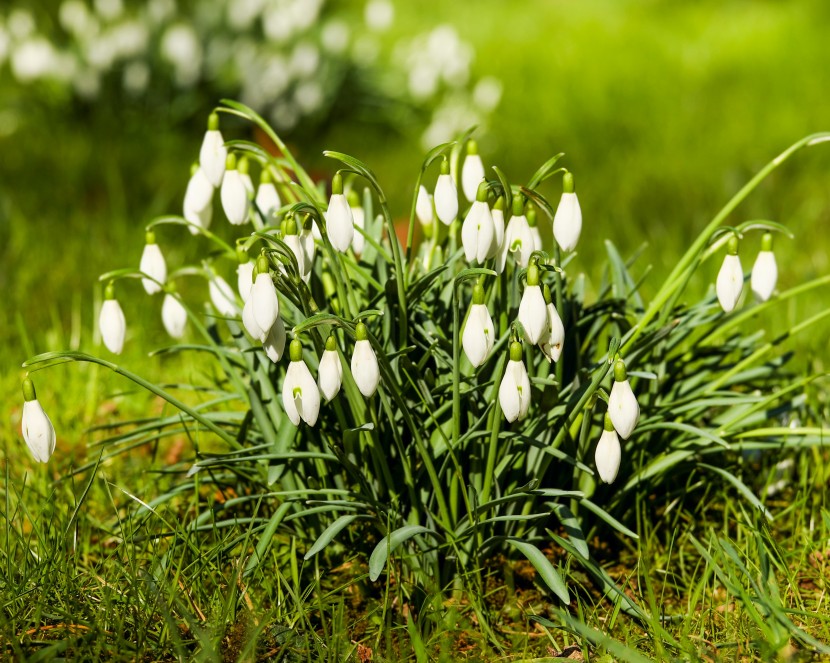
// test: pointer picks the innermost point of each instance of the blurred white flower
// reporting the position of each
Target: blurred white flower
(222, 297)
(198, 199)
(109, 9)
(379, 15)
(245, 278)
(423, 206)
(213, 155)
(37, 428)
(33, 59)
(153, 265)
(335, 36)
(487, 94)
(181, 48)
(173, 315)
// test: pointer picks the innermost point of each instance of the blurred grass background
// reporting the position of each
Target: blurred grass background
(664, 110)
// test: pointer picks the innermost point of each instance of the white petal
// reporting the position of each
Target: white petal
(174, 316)
(477, 337)
(514, 391)
(607, 456)
(472, 173)
(289, 389)
(537, 238)
(518, 240)
(38, 431)
(113, 326)
(222, 297)
(330, 375)
(199, 193)
(153, 264)
(358, 241)
(264, 302)
(309, 401)
(423, 206)
(339, 222)
(274, 343)
(446, 199)
(250, 323)
(478, 232)
(730, 282)
(309, 250)
(212, 157)
(248, 182)
(293, 243)
(567, 222)
(533, 313)
(268, 200)
(764, 275)
(365, 368)
(623, 408)
(523, 384)
(498, 230)
(554, 338)
(245, 279)
(201, 219)
(234, 198)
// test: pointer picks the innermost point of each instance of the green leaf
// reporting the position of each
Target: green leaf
(329, 533)
(508, 192)
(607, 517)
(571, 524)
(545, 170)
(742, 488)
(388, 544)
(543, 567)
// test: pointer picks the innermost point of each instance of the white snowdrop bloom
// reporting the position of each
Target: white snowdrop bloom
(173, 315)
(622, 403)
(534, 229)
(264, 301)
(250, 323)
(478, 233)
(479, 334)
(423, 206)
(497, 213)
(222, 297)
(274, 343)
(267, 198)
(554, 337)
(300, 396)
(533, 312)
(730, 280)
(446, 196)
(608, 454)
(198, 200)
(292, 240)
(234, 194)
(567, 222)
(111, 322)
(309, 247)
(359, 218)
(765, 270)
(213, 155)
(364, 363)
(472, 172)
(514, 390)
(37, 428)
(339, 220)
(330, 373)
(518, 239)
(243, 168)
(152, 264)
(245, 278)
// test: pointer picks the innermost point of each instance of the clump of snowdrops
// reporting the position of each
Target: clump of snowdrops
(444, 402)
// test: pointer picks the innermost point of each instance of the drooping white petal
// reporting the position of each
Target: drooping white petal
(730, 282)
(608, 455)
(423, 206)
(309, 250)
(300, 395)
(479, 335)
(174, 316)
(446, 199)
(358, 241)
(567, 222)
(554, 337)
(293, 242)
(264, 302)
(222, 297)
(248, 183)
(153, 264)
(245, 279)
(339, 222)
(764, 275)
(537, 238)
(533, 313)
(623, 408)
(202, 219)
(478, 232)
(472, 172)
(234, 196)
(268, 199)
(38, 431)
(518, 240)
(514, 391)
(274, 343)
(212, 157)
(250, 323)
(113, 325)
(498, 232)
(330, 375)
(365, 368)
(198, 195)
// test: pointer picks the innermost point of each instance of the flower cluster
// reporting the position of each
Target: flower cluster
(730, 281)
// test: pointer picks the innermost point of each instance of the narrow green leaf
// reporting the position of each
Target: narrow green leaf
(328, 534)
(388, 544)
(543, 566)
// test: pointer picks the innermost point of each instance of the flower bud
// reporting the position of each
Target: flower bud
(330, 374)
(274, 343)
(730, 280)
(37, 428)
(478, 232)
(300, 396)
(514, 390)
(267, 198)
(623, 408)
(533, 312)
(765, 270)
(234, 194)
(608, 453)
(213, 154)
(198, 200)
(339, 220)
(423, 207)
(446, 195)
(479, 334)
(567, 222)
(264, 302)
(364, 363)
(173, 315)
(152, 264)
(111, 322)
(472, 173)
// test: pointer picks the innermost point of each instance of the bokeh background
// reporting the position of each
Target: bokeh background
(663, 108)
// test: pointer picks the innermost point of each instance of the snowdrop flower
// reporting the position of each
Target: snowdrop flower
(244, 166)
(38, 430)
(292, 240)
(198, 200)
(213, 154)
(173, 315)
(250, 323)
(446, 196)
(222, 297)
(111, 321)
(514, 390)
(622, 403)
(267, 198)
(478, 234)
(472, 172)
(152, 264)
(479, 334)
(339, 220)
(307, 242)
(274, 343)
(244, 275)
(567, 222)
(330, 375)
(730, 277)
(265, 305)
(364, 362)
(554, 336)
(423, 206)
(359, 217)
(534, 229)
(498, 226)
(518, 238)
(533, 312)
(765, 270)
(608, 453)
(300, 396)
(234, 194)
